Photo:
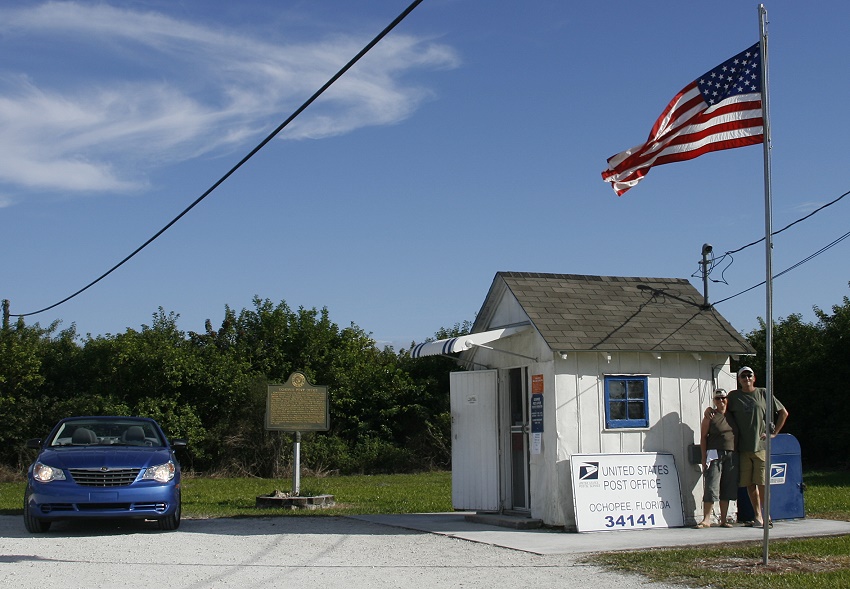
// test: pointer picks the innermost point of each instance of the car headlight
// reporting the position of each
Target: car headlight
(45, 474)
(162, 473)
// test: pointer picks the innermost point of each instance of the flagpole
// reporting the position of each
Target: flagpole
(768, 244)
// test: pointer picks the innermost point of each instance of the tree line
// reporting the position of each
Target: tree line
(811, 375)
(388, 412)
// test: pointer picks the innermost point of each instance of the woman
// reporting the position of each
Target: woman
(719, 460)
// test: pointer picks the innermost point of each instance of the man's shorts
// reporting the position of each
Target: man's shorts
(751, 468)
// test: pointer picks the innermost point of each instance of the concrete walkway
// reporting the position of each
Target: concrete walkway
(547, 541)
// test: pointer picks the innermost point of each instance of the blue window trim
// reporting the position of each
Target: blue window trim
(622, 423)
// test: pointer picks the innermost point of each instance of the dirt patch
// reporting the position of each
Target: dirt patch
(775, 564)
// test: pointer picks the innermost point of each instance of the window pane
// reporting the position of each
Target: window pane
(636, 389)
(616, 389)
(617, 410)
(627, 401)
(636, 410)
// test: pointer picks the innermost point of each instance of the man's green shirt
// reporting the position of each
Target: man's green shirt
(748, 410)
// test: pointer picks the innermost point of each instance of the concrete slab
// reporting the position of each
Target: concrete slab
(552, 541)
(504, 521)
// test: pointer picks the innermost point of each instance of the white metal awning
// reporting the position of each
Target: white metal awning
(464, 342)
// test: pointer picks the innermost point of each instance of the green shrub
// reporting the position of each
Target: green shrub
(376, 456)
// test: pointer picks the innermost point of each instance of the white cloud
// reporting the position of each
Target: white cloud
(152, 88)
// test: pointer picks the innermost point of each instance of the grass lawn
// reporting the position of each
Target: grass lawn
(397, 493)
(232, 497)
(808, 563)
(828, 494)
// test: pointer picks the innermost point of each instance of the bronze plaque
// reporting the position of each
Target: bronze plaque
(297, 406)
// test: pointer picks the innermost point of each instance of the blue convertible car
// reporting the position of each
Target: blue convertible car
(103, 467)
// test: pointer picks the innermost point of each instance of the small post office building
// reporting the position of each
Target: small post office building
(616, 364)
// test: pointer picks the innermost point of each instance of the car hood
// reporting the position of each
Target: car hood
(104, 457)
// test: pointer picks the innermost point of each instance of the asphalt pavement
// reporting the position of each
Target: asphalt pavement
(410, 551)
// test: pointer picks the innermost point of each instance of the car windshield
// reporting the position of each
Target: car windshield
(91, 432)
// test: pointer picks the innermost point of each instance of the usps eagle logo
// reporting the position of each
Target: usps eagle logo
(588, 471)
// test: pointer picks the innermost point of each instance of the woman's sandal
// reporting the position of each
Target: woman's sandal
(702, 525)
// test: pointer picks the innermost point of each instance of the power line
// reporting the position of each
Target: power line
(800, 263)
(817, 210)
(717, 261)
(251, 154)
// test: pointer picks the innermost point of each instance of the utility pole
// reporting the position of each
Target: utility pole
(5, 313)
(706, 251)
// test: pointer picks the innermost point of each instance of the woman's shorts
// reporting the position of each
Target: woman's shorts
(721, 478)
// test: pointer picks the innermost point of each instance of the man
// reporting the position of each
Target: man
(748, 405)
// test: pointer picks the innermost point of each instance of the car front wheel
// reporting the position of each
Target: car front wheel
(34, 525)
(171, 522)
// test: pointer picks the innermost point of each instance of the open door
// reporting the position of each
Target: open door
(519, 427)
(475, 440)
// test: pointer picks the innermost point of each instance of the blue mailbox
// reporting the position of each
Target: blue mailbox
(786, 482)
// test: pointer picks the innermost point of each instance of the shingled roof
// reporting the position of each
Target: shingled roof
(612, 313)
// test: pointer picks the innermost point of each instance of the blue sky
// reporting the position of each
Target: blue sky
(470, 141)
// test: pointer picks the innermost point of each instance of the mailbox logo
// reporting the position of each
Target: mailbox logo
(777, 473)
(588, 471)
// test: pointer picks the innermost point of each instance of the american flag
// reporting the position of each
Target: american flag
(720, 110)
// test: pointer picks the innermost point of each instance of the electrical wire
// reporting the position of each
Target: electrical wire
(800, 263)
(817, 210)
(714, 262)
(251, 154)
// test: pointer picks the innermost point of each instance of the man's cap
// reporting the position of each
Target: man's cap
(745, 369)
(720, 393)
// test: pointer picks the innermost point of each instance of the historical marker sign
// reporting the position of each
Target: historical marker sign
(297, 406)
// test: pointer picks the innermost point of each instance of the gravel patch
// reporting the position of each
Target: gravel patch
(304, 552)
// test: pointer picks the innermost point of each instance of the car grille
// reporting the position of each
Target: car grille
(150, 506)
(51, 507)
(118, 477)
(103, 507)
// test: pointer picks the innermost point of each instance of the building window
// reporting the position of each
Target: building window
(626, 401)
